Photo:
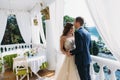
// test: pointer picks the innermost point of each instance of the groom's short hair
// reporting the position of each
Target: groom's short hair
(80, 20)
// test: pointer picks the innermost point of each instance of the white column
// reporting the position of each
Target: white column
(51, 55)
(59, 6)
(54, 28)
(59, 16)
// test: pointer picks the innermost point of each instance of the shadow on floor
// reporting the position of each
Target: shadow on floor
(9, 75)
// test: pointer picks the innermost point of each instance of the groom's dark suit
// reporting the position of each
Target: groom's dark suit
(82, 53)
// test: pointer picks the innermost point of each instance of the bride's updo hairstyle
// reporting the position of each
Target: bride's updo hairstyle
(67, 28)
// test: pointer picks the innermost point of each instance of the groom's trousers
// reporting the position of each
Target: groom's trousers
(84, 72)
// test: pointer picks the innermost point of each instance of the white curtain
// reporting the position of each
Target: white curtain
(40, 25)
(35, 32)
(106, 15)
(3, 22)
(23, 20)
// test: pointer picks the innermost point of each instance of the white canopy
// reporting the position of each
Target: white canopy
(25, 5)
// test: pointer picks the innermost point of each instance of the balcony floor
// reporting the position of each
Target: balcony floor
(9, 75)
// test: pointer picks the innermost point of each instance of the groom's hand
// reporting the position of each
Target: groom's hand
(68, 53)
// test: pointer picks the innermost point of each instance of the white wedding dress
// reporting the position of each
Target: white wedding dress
(68, 70)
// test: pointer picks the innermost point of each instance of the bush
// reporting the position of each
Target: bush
(94, 48)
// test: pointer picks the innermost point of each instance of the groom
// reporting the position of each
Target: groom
(82, 50)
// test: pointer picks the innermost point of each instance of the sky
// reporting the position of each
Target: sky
(75, 8)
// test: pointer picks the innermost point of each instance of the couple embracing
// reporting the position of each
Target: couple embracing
(76, 48)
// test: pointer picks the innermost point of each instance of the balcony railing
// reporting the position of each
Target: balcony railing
(12, 47)
(112, 65)
(5, 48)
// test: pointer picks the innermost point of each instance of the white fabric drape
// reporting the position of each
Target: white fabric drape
(35, 32)
(35, 28)
(38, 29)
(106, 15)
(40, 25)
(23, 20)
(3, 22)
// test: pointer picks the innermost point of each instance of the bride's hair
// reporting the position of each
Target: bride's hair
(67, 28)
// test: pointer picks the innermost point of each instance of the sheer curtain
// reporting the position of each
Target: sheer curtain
(40, 25)
(3, 22)
(106, 15)
(23, 20)
(35, 32)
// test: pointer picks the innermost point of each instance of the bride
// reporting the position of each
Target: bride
(68, 70)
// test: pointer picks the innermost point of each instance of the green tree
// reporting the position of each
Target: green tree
(12, 33)
(95, 48)
(68, 19)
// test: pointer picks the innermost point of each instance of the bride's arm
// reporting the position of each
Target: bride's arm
(62, 41)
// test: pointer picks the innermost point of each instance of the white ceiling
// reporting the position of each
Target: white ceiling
(18, 4)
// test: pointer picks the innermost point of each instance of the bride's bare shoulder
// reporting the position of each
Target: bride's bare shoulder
(63, 38)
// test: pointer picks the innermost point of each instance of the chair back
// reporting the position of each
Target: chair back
(20, 66)
(20, 62)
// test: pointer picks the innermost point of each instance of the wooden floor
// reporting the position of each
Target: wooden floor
(9, 75)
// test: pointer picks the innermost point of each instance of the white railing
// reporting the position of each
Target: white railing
(5, 48)
(113, 65)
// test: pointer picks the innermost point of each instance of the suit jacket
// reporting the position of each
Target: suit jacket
(83, 45)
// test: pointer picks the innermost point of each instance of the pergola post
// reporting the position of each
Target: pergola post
(51, 55)
(54, 27)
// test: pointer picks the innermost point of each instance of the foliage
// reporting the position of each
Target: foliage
(44, 66)
(68, 19)
(12, 34)
(9, 60)
(44, 26)
(94, 48)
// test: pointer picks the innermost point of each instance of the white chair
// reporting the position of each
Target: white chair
(20, 66)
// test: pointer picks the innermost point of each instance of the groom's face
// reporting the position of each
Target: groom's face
(76, 24)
